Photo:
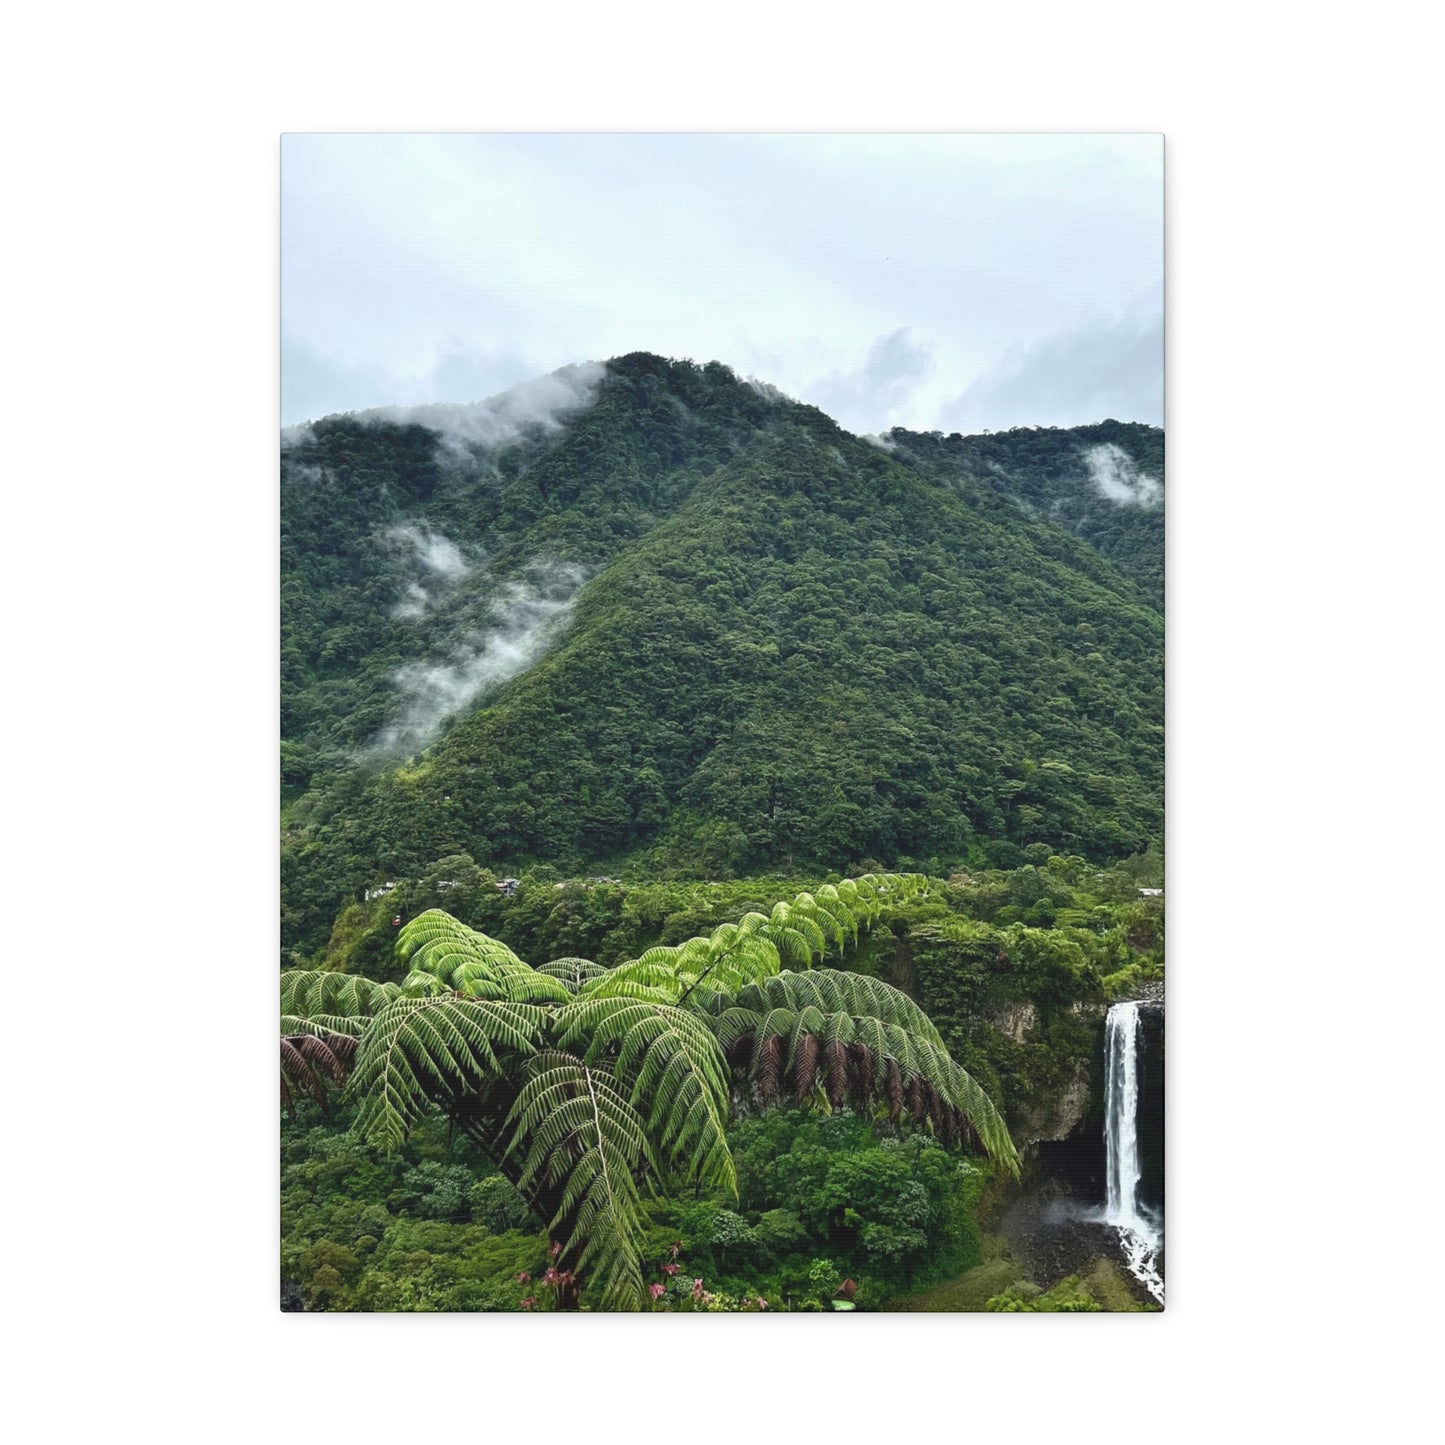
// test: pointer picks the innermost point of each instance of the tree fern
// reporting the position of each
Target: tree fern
(852, 1036)
(593, 1086)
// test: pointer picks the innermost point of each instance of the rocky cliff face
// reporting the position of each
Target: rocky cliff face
(1053, 1116)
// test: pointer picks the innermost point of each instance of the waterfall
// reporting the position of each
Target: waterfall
(1140, 1234)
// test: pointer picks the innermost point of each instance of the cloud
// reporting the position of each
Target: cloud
(542, 402)
(1117, 476)
(877, 393)
(1110, 367)
(433, 551)
(316, 385)
(437, 560)
(766, 390)
(425, 268)
(527, 617)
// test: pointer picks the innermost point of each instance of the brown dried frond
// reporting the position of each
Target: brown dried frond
(933, 1103)
(835, 1058)
(805, 1065)
(893, 1088)
(861, 1058)
(915, 1099)
(308, 1062)
(770, 1069)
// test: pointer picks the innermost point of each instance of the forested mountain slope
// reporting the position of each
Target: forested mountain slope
(1103, 483)
(684, 622)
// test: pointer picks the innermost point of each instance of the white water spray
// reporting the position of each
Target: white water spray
(1140, 1235)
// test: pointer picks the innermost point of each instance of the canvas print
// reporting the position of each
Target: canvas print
(722, 723)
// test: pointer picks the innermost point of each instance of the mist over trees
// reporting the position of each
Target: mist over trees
(793, 648)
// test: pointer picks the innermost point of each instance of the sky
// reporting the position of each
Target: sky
(934, 281)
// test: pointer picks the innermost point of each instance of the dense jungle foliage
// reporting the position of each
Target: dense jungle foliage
(1045, 471)
(690, 638)
(694, 630)
(824, 1197)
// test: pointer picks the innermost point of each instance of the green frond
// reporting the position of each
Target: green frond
(858, 1037)
(674, 1072)
(786, 916)
(422, 985)
(735, 1024)
(424, 1051)
(311, 994)
(582, 1139)
(833, 989)
(829, 898)
(795, 947)
(469, 962)
(621, 986)
(572, 973)
(322, 1026)
(654, 976)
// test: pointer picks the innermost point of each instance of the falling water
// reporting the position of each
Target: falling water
(1140, 1234)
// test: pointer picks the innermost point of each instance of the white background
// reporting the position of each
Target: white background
(140, 587)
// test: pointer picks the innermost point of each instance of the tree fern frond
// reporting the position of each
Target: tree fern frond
(806, 1054)
(828, 897)
(651, 981)
(734, 1024)
(833, 989)
(309, 1060)
(835, 1070)
(323, 1026)
(771, 1056)
(584, 1140)
(572, 973)
(794, 920)
(808, 905)
(423, 1051)
(673, 1069)
(862, 1074)
(311, 994)
(469, 962)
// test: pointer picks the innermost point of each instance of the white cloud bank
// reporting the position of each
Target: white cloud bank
(527, 619)
(1117, 476)
(543, 402)
(438, 562)
(875, 276)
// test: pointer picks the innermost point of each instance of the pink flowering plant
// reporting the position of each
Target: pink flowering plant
(556, 1285)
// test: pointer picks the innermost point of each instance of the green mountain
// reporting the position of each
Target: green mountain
(654, 615)
(1103, 483)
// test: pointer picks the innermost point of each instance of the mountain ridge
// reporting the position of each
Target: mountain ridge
(791, 645)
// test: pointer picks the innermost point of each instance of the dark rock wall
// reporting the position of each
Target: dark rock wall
(1151, 1106)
